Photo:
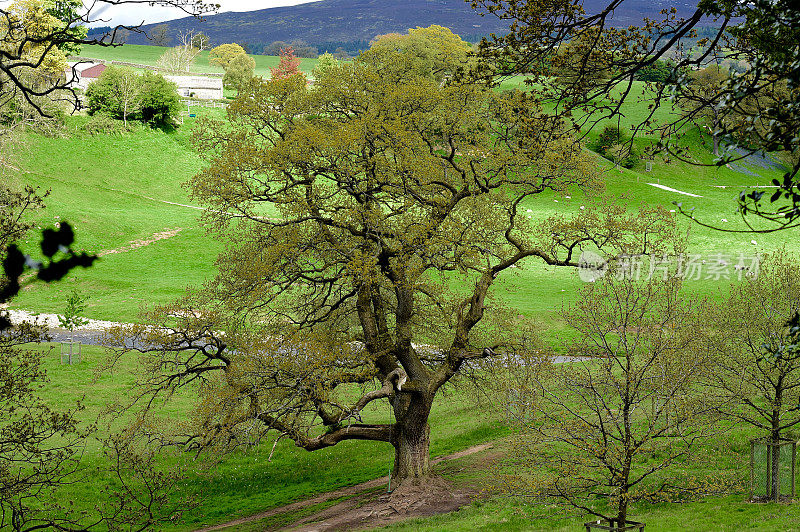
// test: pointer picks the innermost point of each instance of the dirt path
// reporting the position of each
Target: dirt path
(136, 244)
(361, 497)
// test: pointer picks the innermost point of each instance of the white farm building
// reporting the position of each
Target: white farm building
(81, 74)
(200, 87)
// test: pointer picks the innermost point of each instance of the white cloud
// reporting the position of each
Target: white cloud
(142, 13)
(104, 14)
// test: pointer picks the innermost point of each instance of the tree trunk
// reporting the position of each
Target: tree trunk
(773, 461)
(411, 439)
(715, 135)
(774, 450)
(412, 455)
(622, 511)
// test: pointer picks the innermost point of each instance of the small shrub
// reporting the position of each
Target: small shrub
(610, 136)
(623, 155)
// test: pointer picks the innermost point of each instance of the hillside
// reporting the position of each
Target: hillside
(328, 23)
(145, 224)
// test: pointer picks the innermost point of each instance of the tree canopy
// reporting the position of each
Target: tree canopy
(353, 210)
(434, 51)
(223, 54)
(239, 72)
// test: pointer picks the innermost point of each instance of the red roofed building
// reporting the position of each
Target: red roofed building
(93, 72)
(83, 73)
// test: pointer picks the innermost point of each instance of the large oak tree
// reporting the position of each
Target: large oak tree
(367, 218)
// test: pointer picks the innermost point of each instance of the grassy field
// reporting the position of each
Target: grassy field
(245, 483)
(125, 197)
(114, 190)
(713, 514)
(122, 203)
(148, 55)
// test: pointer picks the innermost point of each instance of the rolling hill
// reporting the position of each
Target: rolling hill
(328, 23)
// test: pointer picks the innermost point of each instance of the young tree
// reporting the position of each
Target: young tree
(288, 66)
(608, 425)
(76, 305)
(389, 190)
(159, 35)
(757, 366)
(239, 72)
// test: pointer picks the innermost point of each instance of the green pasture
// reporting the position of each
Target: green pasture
(713, 514)
(245, 482)
(115, 190)
(148, 55)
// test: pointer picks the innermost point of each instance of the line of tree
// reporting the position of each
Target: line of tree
(300, 48)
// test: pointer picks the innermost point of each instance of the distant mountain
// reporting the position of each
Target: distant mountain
(327, 22)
